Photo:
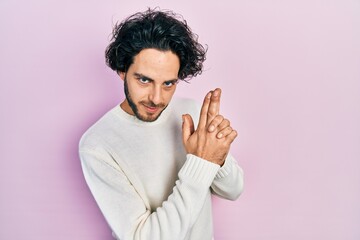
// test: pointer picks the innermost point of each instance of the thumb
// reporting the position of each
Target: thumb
(187, 127)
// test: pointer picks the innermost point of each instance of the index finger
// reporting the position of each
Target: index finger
(214, 106)
(204, 111)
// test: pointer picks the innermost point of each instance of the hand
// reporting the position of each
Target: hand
(222, 126)
(216, 121)
(204, 143)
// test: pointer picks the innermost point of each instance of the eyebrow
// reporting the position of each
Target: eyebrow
(139, 75)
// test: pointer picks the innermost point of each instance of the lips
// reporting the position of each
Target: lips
(150, 109)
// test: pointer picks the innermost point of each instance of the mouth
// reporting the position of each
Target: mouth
(151, 109)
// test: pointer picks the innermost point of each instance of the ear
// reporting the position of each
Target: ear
(122, 75)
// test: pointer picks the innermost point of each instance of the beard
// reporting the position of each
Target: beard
(148, 117)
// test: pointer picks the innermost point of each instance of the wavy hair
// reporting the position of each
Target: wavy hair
(162, 30)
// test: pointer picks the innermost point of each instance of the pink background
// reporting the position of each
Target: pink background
(290, 74)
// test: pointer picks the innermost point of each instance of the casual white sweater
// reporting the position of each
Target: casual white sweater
(145, 184)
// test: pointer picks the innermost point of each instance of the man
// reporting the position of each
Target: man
(150, 171)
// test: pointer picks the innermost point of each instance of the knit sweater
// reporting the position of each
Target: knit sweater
(144, 182)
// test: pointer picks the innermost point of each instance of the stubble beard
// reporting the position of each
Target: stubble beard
(134, 108)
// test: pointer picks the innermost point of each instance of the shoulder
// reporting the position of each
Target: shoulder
(185, 105)
(93, 136)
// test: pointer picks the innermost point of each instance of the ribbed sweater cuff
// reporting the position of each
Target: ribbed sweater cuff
(198, 170)
(225, 169)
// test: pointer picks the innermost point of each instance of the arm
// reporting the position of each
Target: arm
(126, 212)
(229, 181)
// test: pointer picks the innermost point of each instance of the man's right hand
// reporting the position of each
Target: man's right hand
(202, 142)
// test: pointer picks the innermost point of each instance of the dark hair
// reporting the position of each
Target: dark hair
(162, 30)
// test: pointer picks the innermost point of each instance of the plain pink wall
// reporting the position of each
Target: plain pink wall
(290, 74)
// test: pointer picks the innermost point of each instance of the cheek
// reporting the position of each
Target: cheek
(169, 95)
(136, 92)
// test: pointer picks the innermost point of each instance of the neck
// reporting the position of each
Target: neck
(126, 107)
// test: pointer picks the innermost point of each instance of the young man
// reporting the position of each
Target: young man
(150, 171)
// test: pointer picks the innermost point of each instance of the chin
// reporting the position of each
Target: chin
(146, 117)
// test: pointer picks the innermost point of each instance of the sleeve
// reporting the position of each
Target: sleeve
(125, 210)
(229, 180)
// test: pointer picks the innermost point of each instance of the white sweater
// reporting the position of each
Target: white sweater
(145, 184)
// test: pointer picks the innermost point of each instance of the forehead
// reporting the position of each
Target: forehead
(156, 64)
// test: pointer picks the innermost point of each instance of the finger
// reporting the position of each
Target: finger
(215, 123)
(204, 111)
(187, 127)
(231, 137)
(224, 124)
(214, 106)
(224, 132)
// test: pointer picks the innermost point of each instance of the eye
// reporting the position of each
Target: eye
(143, 80)
(170, 83)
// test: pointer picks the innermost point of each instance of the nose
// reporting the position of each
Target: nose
(156, 96)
